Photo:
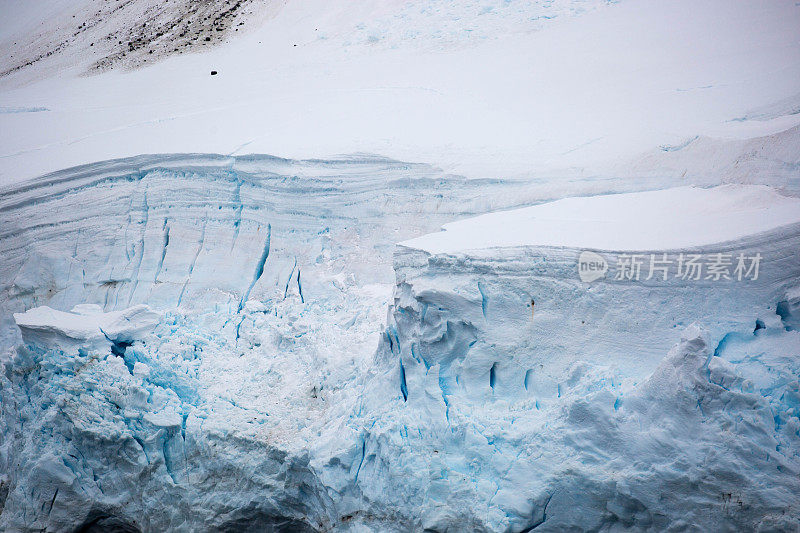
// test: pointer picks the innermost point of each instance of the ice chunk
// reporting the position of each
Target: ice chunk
(86, 325)
(130, 324)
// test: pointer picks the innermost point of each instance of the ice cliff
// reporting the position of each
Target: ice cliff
(202, 343)
(625, 402)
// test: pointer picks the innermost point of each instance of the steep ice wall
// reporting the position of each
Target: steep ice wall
(542, 401)
(501, 299)
(257, 401)
(191, 230)
(708, 441)
(178, 230)
(272, 277)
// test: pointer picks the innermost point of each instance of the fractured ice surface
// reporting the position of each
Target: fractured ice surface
(215, 354)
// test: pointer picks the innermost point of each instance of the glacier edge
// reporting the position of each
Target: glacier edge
(306, 406)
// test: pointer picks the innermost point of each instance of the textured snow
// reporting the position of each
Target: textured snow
(672, 219)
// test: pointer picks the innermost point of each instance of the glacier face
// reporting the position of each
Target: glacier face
(207, 360)
(660, 403)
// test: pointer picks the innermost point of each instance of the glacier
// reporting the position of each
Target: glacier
(199, 342)
(564, 297)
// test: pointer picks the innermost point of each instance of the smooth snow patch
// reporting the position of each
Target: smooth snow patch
(669, 219)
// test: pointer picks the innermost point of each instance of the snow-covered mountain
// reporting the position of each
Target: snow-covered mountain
(565, 296)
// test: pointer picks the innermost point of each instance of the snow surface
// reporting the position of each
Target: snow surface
(680, 218)
(475, 87)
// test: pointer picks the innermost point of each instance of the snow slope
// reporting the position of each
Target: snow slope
(477, 88)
